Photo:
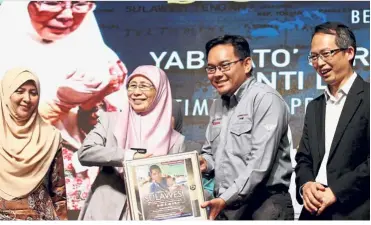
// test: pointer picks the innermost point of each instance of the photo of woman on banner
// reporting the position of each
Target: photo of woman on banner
(79, 74)
(145, 124)
(32, 184)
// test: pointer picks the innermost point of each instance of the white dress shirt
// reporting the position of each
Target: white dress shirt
(334, 107)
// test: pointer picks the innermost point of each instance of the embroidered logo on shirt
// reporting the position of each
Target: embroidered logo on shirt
(216, 121)
(242, 116)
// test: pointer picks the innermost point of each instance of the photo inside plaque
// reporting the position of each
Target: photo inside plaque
(166, 190)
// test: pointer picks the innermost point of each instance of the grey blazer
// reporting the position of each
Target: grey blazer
(107, 199)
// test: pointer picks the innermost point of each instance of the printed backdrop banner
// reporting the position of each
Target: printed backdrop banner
(173, 36)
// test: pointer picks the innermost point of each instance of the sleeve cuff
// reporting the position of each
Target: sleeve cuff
(76, 164)
(129, 154)
(301, 191)
(230, 196)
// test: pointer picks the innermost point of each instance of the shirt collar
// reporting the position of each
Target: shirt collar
(239, 92)
(344, 90)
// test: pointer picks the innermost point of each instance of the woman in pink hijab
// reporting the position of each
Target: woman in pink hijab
(145, 124)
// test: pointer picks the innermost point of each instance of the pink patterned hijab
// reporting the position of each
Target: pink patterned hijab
(152, 129)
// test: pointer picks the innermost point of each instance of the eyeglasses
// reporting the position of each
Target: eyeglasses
(59, 6)
(325, 55)
(223, 67)
(133, 87)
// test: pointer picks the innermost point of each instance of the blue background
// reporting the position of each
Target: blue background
(134, 29)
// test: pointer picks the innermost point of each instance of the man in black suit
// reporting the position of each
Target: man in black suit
(333, 159)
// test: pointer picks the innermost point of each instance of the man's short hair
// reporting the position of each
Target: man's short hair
(239, 43)
(344, 36)
(241, 46)
(154, 167)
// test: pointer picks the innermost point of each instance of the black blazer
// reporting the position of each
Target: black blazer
(348, 167)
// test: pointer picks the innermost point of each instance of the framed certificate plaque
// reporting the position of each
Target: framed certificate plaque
(165, 187)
